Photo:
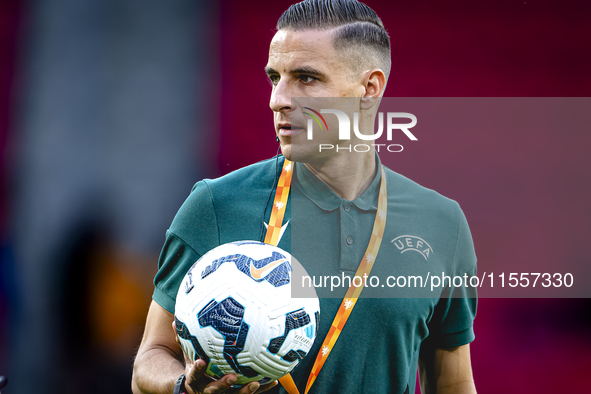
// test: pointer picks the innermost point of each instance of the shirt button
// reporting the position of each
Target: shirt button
(349, 240)
(347, 207)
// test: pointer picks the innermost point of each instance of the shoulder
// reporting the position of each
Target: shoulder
(241, 189)
(439, 219)
(249, 179)
(410, 194)
(213, 208)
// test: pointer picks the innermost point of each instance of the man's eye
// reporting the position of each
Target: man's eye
(274, 79)
(307, 79)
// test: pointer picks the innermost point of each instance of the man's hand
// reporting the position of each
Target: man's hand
(199, 383)
(160, 361)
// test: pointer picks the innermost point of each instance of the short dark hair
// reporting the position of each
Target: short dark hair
(359, 30)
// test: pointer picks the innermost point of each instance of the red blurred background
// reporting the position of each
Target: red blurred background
(459, 49)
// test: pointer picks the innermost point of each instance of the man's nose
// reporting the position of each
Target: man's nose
(280, 97)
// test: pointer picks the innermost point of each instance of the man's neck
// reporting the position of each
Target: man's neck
(347, 176)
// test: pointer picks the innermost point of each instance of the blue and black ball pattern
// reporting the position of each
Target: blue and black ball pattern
(293, 320)
(277, 277)
(183, 332)
(227, 318)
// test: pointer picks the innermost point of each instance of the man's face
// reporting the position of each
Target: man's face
(305, 64)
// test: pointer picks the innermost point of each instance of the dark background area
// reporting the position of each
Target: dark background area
(464, 49)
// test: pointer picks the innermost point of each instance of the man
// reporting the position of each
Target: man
(326, 49)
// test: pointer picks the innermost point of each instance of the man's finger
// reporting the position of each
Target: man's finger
(221, 385)
(176, 337)
(267, 386)
(196, 372)
(249, 388)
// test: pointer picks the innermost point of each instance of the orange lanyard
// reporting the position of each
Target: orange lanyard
(365, 266)
(279, 204)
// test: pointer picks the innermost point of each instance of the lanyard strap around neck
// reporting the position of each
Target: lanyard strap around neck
(279, 204)
(365, 266)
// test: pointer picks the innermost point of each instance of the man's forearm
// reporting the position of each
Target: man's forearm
(446, 371)
(458, 388)
(155, 372)
(466, 387)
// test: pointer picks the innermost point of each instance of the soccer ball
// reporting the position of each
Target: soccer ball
(235, 311)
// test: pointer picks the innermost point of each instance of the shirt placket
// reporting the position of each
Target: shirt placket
(349, 237)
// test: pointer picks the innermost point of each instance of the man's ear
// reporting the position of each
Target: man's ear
(374, 82)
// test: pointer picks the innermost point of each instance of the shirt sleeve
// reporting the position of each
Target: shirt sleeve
(192, 233)
(175, 261)
(452, 321)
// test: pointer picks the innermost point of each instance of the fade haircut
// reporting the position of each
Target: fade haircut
(359, 33)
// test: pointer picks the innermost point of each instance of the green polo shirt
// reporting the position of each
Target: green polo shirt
(425, 233)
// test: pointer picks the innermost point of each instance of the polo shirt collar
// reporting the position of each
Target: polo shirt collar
(326, 199)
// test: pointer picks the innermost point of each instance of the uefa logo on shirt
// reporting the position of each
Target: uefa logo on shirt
(405, 243)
